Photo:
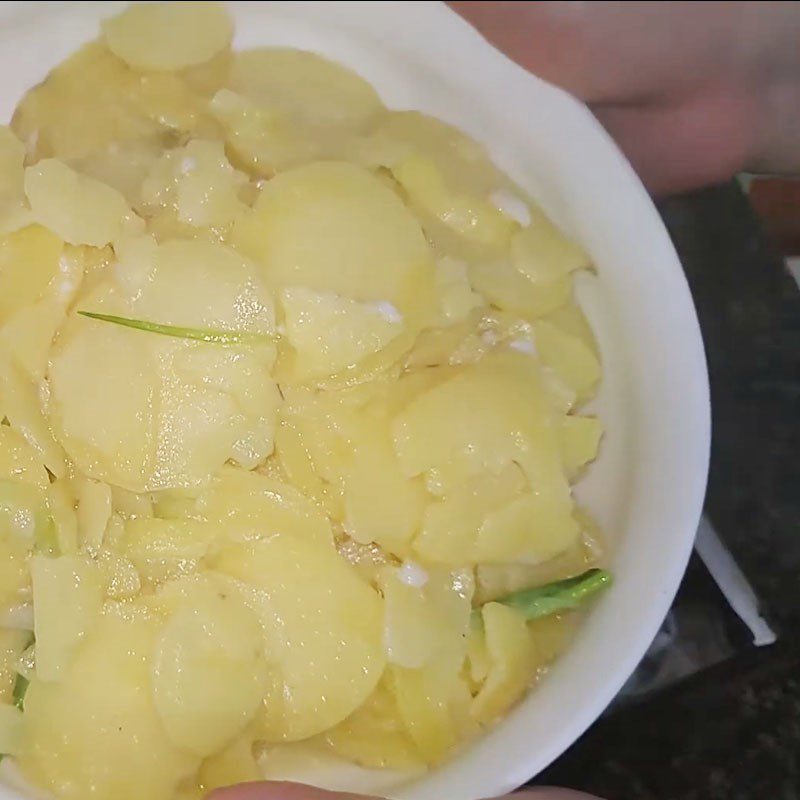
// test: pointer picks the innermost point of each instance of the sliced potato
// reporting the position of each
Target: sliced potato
(331, 333)
(580, 440)
(209, 671)
(168, 36)
(83, 734)
(322, 632)
(67, 595)
(333, 227)
(78, 209)
(512, 662)
(310, 90)
(248, 506)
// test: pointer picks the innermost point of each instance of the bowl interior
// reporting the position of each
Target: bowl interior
(648, 485)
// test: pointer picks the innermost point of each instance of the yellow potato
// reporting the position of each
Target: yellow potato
(381, 504)
(433, 702)
(83, 735)
(248, 506)
(21, 405)
(209, 671)
(471, 217)
(67, 596)
(19, 461)
(464, 163)
(572, 361)
(181, 408)
(235, 764)
(162, 549)
(168, 36)
(322, 632)
(511, 290)
(12, 643)
(333, 227)
(375, 736)
(451, 525)
(310, 90)
(532, 528)
(12, 195)
(28, 262)
(486, 415)
(197, 183)
(78, 209)
(512, 662)
(580, 440)
(543, 254)
(331, 333)
(427, 613)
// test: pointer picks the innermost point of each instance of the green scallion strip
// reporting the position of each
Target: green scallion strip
(196, 334)
(18, 695)
(558, 596)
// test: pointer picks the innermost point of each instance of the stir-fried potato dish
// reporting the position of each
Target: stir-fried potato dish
(290, 404)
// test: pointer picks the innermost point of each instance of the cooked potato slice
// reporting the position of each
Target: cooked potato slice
(78, 209)
(512, 662)
(310, 90)
(249, 506)
(168, 36)
(83, 734)
(322, 632)
(209, 671)
(331, 333)
(67, 595)
(28, 262)
(333, 227)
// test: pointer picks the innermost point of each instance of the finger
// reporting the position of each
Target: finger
(615, 52)
(278, 790)
(699, 141)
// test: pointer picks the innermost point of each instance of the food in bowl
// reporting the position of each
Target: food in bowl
(291, 389)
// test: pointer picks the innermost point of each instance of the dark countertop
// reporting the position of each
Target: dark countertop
(732, 730)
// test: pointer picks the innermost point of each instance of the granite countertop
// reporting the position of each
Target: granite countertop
(731, 731)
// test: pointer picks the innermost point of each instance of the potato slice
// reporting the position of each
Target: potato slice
(197, 182)
(580, 441)
(12, 643)
(427, 613)
(235, 764)
(163, 550)
(67, 595)
(180, 409)
(487, 415)
(13, 210)
(450, 526)
(512, 662)
(310, 90)
(19, 461)
(21, 405)
(510, 290)
(78, 209)
(375, 736)
(543, 253)
(333, 227)
(168, 36)
(83, 734)
(322, 632)
(249, 506)
(28, 262)
(569, 357)
(209, 671)
(331, 333)
(471, 217)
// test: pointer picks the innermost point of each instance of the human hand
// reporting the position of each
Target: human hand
(294, 791)
(691, 92)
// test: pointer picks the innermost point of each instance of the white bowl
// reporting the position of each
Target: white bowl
(647, 488)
